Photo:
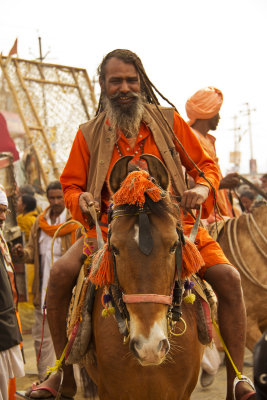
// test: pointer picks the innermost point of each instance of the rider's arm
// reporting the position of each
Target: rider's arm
(74, 177)
(200, 158)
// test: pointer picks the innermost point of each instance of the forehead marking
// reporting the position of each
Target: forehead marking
(136, 233)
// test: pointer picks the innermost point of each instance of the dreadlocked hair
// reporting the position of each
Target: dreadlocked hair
(147, 87)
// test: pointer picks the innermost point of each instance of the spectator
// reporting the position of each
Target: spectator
(26, 207)
(11, 362)
(38, 251)
(264, 182)
(247, 198)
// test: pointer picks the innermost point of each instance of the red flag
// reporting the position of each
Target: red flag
(14, 49)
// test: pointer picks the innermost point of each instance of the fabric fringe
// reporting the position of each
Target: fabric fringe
(134, 187)
(192, 259)
(102, 268)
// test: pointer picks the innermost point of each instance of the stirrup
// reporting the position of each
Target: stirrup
(243, 378)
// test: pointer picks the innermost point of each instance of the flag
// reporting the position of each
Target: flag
(14, 49)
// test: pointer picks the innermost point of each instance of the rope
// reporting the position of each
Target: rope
(240, 264)
(252, 237)
(238, 373)
(59, 362)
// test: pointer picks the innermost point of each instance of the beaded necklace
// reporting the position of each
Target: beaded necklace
(139, 149)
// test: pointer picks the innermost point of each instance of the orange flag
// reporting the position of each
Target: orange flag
(14, 49)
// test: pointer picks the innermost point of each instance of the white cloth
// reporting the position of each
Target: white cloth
(211, 360)
(45, 242)
(3, 196)
(11, 366)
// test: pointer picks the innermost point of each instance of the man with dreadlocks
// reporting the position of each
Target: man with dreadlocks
(130, 121)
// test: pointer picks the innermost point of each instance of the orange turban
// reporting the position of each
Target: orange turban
(204, 104)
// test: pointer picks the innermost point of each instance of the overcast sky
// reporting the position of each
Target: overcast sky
(183, 44)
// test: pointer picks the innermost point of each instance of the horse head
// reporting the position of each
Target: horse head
(143, 239)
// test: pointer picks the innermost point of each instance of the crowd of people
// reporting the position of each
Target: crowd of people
(129, 121)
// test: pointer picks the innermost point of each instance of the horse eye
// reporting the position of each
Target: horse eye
(116, 251)
(173, 248)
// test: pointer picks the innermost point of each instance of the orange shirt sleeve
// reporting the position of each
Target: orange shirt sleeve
(74, 177)
(200, 158)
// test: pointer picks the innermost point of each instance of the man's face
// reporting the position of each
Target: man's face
(3, 212)
(264, 182)
(121, 82)
(56, 201)
(214, 122)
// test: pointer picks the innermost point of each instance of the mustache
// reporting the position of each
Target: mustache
(128, 95)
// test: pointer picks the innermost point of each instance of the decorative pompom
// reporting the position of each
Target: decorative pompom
(134, 187)
(105, 312)
(188, 285)
(192, 259)
(190, 298)
(106, 298)
(102, 268)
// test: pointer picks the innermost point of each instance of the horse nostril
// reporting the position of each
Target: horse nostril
(164, 346)
(134, 345)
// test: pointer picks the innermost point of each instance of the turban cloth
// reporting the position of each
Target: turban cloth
(204, 104)
(3, 197)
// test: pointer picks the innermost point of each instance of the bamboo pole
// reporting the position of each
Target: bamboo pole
(92, 92)
(49, 82)
(80, 92)
(45, 64)
(50, 154)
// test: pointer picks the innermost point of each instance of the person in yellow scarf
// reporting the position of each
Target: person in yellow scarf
(27, 213)
(38, 252)
(203, 112)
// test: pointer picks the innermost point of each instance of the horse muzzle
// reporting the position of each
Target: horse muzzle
(149, 352)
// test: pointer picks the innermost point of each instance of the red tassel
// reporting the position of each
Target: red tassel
(192, 259)
(104, 275)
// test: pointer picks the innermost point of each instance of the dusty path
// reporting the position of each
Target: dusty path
(214, 392)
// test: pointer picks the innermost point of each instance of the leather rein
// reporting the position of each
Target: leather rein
(120, 299)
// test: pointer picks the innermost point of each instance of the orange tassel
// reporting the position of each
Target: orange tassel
(134, 187)
(192, 259)
(103, 274)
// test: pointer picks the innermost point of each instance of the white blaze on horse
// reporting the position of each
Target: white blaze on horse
(140, 280)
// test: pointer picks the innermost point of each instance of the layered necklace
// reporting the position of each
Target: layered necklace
(140, 148)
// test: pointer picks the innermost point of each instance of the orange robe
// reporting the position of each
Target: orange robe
(224, 205)
(75, 173)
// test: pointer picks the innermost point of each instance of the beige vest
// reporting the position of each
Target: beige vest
(100, 141)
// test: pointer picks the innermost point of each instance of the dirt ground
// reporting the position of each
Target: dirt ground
(215, 392)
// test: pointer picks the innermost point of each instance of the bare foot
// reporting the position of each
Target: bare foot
(53, 382)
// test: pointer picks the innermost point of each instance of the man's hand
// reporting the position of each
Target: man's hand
(230, 181)
(193, 198)
(18, 250)
(86, 200)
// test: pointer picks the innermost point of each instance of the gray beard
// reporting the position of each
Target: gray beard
(126, 118)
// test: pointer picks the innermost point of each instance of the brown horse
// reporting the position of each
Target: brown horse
(154, 364)
(244, 242)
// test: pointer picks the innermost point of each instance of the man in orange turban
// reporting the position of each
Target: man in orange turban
(203, 112)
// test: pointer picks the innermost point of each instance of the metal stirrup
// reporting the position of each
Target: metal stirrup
(242, 378)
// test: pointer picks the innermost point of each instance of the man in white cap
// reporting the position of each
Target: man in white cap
(11, 362)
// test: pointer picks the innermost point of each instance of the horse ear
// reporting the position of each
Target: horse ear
(157, 170)
(119, 173)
